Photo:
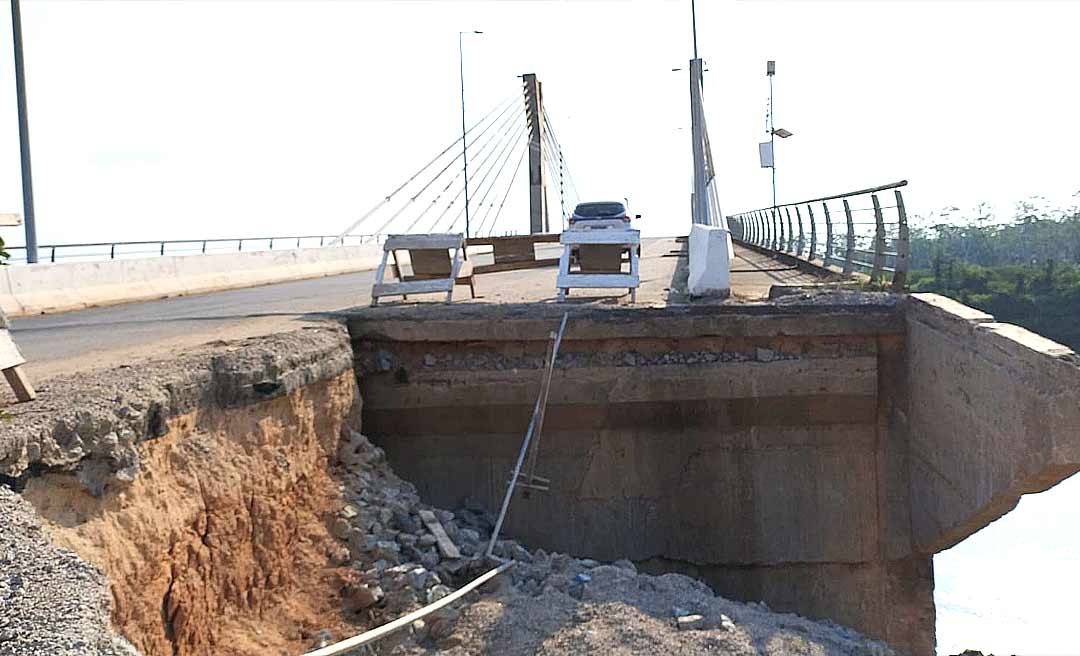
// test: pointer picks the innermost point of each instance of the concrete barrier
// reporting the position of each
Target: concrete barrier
(47, 288)
(711, 252)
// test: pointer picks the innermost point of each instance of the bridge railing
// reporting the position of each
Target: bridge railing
(857, 231)
(135, 249)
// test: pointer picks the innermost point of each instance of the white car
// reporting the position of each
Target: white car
(601, 215)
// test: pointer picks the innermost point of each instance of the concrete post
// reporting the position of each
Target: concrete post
(534, 106)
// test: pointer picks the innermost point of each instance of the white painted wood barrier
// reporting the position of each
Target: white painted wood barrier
(627, 239)
(432, 242)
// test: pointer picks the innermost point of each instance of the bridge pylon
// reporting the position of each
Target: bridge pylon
(534, 115)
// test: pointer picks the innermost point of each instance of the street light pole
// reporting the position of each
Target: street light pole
(770, 72)
(464, 147)
(24, 137)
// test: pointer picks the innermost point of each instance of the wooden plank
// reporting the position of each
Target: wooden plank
(539, 238)
(403, 242)
(514, 266)
(20, 383)
(448, 548)
(412, 287)
(597, 280)
(9, 352)
(625, 237)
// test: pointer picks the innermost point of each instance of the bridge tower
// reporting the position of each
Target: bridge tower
(534, 114)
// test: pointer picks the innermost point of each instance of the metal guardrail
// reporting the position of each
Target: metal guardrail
(158, 248)
(870, 237)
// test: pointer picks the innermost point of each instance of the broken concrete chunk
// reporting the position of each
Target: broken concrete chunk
(447, 547)
(690, 622)
(726, 623)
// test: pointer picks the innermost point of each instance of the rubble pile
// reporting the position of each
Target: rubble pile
(548, 603)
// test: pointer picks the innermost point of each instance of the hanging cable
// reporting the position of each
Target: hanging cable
(402, 209)
(491, 168)
(472, 176)
(508, 188)
(484, 220)
(387, 199)
(507, 125)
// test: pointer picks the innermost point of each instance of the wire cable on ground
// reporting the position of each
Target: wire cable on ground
(368, 637)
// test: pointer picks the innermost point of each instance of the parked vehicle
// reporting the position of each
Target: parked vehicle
(601, 215)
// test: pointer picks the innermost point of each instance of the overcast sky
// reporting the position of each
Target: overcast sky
(199, 118)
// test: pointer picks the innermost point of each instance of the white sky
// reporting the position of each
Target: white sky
(199, 118)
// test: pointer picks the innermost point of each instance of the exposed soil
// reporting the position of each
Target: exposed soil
(223, 532)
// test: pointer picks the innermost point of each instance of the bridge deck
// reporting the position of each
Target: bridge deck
(103, 337)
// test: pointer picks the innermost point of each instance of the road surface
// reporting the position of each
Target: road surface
(108, 336)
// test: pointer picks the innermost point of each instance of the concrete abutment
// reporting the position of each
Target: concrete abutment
(813, 455)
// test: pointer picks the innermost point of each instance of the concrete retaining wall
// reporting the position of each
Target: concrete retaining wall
(46, 288)
(711, 252)
(748, 446)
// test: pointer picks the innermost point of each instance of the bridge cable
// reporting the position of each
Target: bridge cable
(508, 124)
(473, 176)
(508, 188)
(509, 183)
(406, 206)
(387, 199)
(506, 149)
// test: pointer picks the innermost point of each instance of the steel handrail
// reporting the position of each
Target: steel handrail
(163, 243)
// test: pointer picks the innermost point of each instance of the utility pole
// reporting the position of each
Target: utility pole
(534, 105)
(770, 71)
(464, 146)
(24, 137)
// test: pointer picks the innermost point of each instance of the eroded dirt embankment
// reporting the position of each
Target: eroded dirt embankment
(222, 530)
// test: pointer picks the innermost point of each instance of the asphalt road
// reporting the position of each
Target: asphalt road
(88, 339)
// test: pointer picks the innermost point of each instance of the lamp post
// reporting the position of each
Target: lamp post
(464, 146)
(24, 136)
(770, 71)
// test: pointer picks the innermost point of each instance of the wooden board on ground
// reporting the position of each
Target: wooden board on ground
(10, 361)
(448, 548)
(9, 353)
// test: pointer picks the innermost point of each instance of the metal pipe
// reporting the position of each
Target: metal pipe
(386, 629)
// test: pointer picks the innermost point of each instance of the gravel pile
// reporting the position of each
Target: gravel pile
(549, 603)
(51, 602)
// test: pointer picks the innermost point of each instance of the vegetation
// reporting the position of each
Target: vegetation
(1025, 272)
(3, 254)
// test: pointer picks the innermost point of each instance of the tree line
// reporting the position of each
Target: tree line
(1025, 271)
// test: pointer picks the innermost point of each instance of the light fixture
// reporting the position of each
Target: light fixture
(782, 133)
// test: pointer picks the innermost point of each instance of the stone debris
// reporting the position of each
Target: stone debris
(690, 622)
(51, 602)
(546, 603)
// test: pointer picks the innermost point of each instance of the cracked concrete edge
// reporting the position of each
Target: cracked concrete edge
(91, 424)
